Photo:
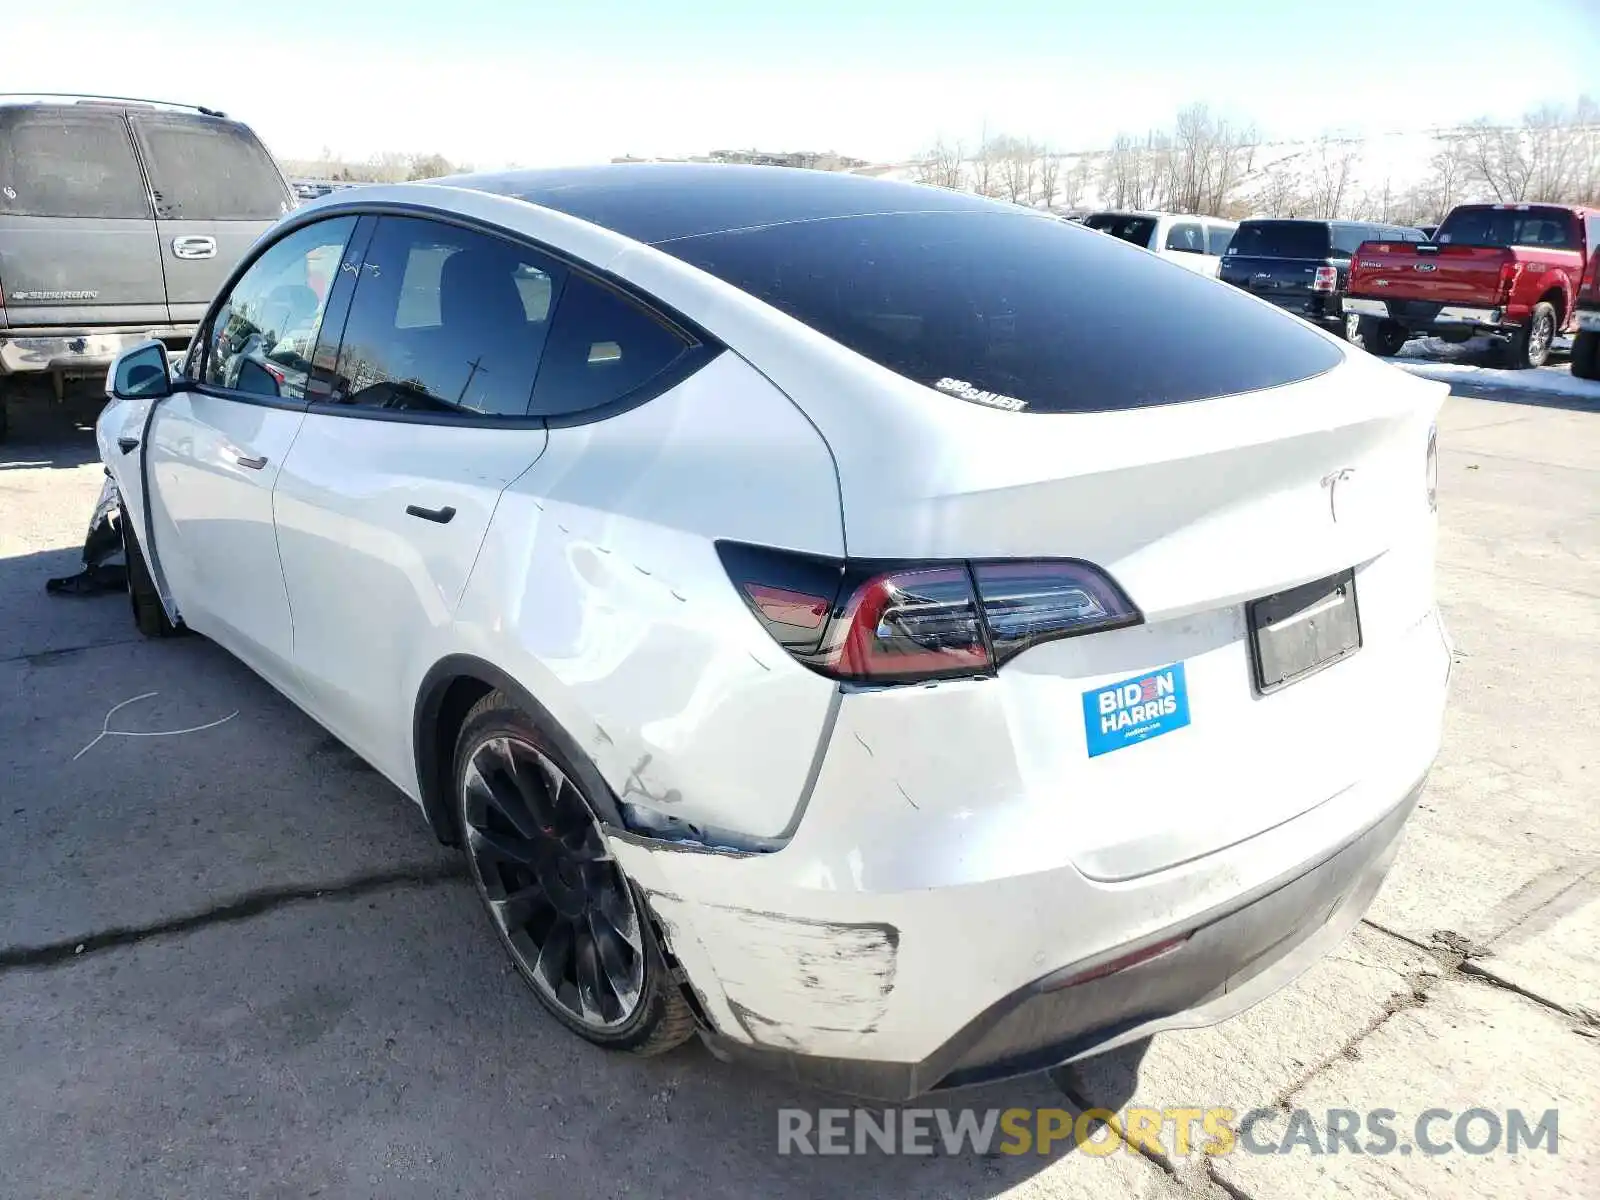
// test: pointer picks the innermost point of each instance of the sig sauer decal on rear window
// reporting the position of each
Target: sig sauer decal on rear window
(1135, 710)
(965, 390)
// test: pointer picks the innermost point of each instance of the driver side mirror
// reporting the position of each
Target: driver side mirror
(141, 372)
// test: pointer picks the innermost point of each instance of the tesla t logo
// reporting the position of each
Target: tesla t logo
(1331, 481)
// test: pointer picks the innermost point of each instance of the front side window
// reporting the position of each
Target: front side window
(207, 169)
(1188, 237)
(56, 163)
(446, 320)
(261, 338)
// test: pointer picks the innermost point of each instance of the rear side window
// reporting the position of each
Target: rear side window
(1138, 230)
(205, 169)
(602, 347)
(1186, 236)
(445, 320)
(74, 163)
(1217, 239)
(1015, 311)
(1347, 237)
(1500, 227)
(1280, 239)
(261, 339)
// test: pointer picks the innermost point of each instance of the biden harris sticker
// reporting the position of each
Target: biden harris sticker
(1135, 710)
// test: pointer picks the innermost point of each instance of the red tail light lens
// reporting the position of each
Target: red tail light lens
(1327, 278)
(917, 624)
(1508, 279)
(884, 622)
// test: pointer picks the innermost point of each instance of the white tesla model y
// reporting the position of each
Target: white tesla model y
(908, 639)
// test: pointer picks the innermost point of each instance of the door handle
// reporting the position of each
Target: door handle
(440, 516)
(244, 460)
(194, 247)
(127, 444)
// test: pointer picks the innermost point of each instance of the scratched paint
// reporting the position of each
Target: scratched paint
(784, 977)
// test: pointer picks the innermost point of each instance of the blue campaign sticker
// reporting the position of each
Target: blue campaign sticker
(1135, 710)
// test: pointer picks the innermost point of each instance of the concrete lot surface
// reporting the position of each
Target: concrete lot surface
(234, 962)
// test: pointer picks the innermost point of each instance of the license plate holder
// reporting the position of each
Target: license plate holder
(1306, 629)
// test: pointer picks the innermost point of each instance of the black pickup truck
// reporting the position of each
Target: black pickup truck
(1303, 266)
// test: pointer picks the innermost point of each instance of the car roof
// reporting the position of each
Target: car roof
(661, 202)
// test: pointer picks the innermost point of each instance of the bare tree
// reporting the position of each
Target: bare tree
(986, 169)
(1495, 160)
(1280, 194)
(941, 166)
(1049, 177)
(1074, 182)
(1018, 161)
(1331, 176)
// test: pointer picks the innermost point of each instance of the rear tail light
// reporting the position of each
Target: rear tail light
(1508, 279)
(1326, 280)
(894, 622)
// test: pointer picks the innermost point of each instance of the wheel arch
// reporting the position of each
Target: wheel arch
(1556, 297)
(448, 691)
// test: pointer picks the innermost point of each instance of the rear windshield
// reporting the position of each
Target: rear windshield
(1015, 311)
(209, 170)
(56, 163)
(1502, 227)
(1137, 230)
(1280, 239)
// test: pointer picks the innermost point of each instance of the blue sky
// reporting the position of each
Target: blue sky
(537, 82)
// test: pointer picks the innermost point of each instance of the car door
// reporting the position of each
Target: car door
(419, 421)
(216, 191)
(215, 448)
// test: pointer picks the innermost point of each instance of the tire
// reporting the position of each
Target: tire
(1586, 355)
(552, 891)
(1380, 337)
(5, 421)
(1529, 346)
(145, 601)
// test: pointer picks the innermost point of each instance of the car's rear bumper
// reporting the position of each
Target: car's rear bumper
(1227, 961)
(26, 351)
(906, 940)
(1420, 319)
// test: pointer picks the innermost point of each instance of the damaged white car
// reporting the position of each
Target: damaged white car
(831, 614)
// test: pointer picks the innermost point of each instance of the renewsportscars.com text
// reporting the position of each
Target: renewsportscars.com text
(1165, 1131)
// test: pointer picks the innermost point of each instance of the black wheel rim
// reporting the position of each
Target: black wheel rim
(1539, 342)
(561, 903)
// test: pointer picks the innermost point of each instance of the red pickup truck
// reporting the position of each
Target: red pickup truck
(1512, 270)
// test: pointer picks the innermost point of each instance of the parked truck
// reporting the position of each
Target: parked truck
(1510, 270)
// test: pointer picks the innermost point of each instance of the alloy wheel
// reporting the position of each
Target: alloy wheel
(1540, 338)
(552, 887)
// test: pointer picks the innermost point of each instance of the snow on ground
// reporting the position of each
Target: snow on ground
(1468, 364)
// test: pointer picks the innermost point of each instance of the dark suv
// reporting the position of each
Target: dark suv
(119, 220)
(1304, 266)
